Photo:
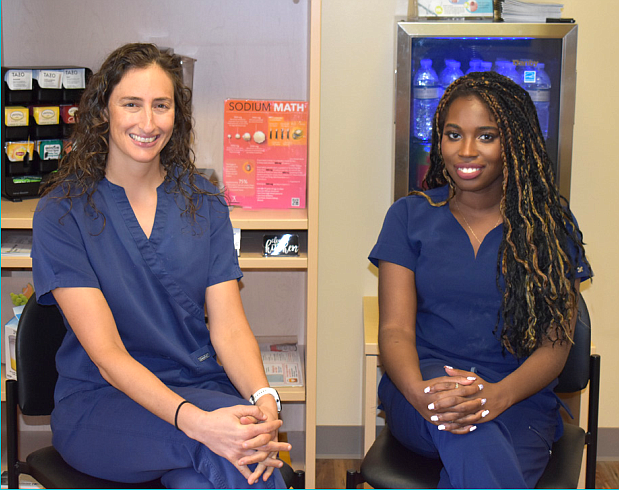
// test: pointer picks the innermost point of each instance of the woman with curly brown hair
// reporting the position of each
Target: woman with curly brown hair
(132, 244)
(479, 277)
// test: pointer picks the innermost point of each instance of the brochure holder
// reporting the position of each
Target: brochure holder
(38, 109)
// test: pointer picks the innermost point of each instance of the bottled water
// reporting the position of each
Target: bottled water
(507, 68)
(425, 99)
(451, 72)
(474, 65)
(485, 66)
(499, 66)
(539, 90)
(511, 72)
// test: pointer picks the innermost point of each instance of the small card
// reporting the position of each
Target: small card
(286, 245)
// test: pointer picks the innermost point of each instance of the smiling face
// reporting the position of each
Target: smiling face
(471, 146)
(141, 116)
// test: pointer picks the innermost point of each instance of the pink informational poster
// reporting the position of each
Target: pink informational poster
(265, 153)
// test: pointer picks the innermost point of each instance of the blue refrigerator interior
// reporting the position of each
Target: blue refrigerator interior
(524, 51)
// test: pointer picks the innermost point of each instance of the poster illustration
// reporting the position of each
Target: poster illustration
(265, 153)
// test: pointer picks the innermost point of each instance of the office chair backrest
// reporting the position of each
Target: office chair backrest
(575, 374)
(39, 334)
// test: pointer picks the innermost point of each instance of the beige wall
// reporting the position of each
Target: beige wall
(355, 185)
(595, 175)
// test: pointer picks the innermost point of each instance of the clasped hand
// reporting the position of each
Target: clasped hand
(458, 401)
(244, 435)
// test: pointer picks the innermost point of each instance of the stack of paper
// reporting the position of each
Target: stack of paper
(524, 11)
(16, 243)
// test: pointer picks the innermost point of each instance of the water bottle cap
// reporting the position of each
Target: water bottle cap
(426, 63)
(541, 65)
(486, 65)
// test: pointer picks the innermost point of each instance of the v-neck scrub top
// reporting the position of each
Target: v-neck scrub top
(457, 296)
(154, 286)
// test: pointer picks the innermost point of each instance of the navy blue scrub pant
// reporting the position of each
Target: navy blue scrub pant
(510, 451)
(105, 434)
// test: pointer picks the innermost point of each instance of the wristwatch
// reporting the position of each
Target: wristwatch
(266, 391)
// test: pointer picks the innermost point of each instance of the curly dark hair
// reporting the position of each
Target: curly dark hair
(535, 257)
(84, 165)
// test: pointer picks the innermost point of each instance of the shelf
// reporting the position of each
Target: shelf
(269, 219)
(16, 262)
(258, 261)
(246, 261)
(18, 215)
(291, 393)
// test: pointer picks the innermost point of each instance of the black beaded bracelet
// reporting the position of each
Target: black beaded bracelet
(176, 415)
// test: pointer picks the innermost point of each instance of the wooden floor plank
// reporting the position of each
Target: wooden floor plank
(331, 473)
(607, 474)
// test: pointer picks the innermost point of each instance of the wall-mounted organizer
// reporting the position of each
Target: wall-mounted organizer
(38, 106)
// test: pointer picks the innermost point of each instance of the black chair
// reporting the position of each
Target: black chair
(388, 464)
(39, 335)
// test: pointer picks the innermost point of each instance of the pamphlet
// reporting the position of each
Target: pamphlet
(265, 153)
(282, 364)
(16, 243)
(451, 9)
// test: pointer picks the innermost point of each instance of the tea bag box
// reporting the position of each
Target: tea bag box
(38, 107)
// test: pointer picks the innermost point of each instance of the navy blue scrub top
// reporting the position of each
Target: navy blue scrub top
(154, 286)
(457, 296)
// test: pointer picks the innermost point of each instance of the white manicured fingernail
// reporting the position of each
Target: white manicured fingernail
(471, 378)
(472, 428)
(441, 427)
(434, 418)
(447, 367)
(485, 412)
(431, 406)
(426, 389)
(483, 401)
(481, 387)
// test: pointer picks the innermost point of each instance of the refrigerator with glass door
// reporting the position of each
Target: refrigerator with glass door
(540, 57)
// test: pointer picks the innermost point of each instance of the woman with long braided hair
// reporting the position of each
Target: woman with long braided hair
(479, 277)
